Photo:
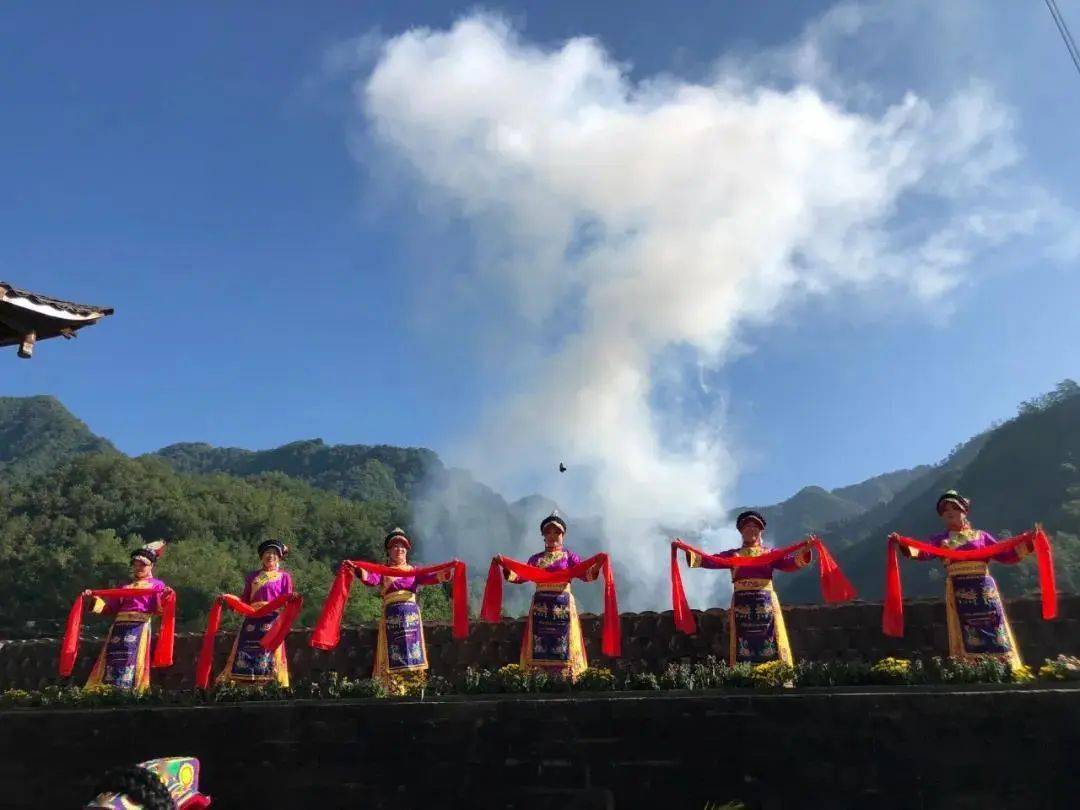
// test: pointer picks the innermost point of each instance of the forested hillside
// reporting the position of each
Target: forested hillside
(72, 507)
(74, 526)
(1023, 471)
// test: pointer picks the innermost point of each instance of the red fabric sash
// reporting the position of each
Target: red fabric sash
(892, 618)
(611, 641)
(163, 652)
(271, 640)
(327, 631)
(835, 587)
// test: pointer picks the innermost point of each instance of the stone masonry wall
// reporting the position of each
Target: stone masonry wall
(882, 748)
(650, 642)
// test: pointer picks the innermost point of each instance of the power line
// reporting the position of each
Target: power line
(1066, 35)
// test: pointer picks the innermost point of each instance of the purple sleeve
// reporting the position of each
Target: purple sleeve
(154, 601)
(794, 561)
(915, 554)
(433, 579)
(246, 597)
(786, 563)
(707, 563)
(1010, 557)
(287, 584)
(572, 559)
(369, 577)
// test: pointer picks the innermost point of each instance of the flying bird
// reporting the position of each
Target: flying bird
(562, 467)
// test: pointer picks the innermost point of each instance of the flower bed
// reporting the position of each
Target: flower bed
(512, 679)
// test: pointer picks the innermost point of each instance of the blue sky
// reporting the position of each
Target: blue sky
(192, 168)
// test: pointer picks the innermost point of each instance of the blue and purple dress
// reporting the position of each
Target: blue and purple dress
(977, 624)
(401, 654)
(249, 663)
(756, 630)
(552, 641)
(124, 660)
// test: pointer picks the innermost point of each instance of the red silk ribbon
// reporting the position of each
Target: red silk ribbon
(835, 587)
(327, 632)
(611, 640)
(163, 652)
(271, 640)
(892, 617)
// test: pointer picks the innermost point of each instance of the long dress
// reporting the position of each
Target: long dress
(977, 624)
(124, 660)
(401, 657)
(756, 630)
(249, 663)
(552, 640)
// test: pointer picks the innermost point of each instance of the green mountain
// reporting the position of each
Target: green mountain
(446, 506)
(435, 501)
(363, 472)
(37, 433)
(1023, 471)
(881, 488)
(808, 510)
(814, 509)
(74, 526)
(71, 507)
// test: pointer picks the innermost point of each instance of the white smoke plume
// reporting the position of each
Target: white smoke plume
(624, 230)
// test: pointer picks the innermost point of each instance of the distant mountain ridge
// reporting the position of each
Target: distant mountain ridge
(1020, 472)
(1017, 472)
(37, 433)
(815, 509)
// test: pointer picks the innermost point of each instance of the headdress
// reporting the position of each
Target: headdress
(749, 514)
(956, 499)
(277, 545)
(398, 534)
(150, 553)
(555, 518)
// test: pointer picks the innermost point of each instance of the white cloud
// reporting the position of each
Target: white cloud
(632, 217)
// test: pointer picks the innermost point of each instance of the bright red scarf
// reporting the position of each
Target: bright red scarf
(327, 631)
(611, 643)
(892, 618)
(835, 587)
(163, 652)
(271, 640)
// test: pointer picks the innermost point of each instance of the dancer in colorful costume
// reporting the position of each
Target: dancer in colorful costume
(249, 663)
(977, 625)
(401, 657)
(552, 640)
(756, 630)
(124, 661)
(158, 784)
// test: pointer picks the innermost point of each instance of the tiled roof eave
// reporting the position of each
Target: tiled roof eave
(52, 307)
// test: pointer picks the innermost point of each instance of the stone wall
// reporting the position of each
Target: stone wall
(650, 642)
(924, 748)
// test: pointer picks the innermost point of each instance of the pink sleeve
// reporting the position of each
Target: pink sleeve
(370, 578)
(246, 597)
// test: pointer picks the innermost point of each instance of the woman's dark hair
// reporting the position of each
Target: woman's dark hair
(139, 785)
